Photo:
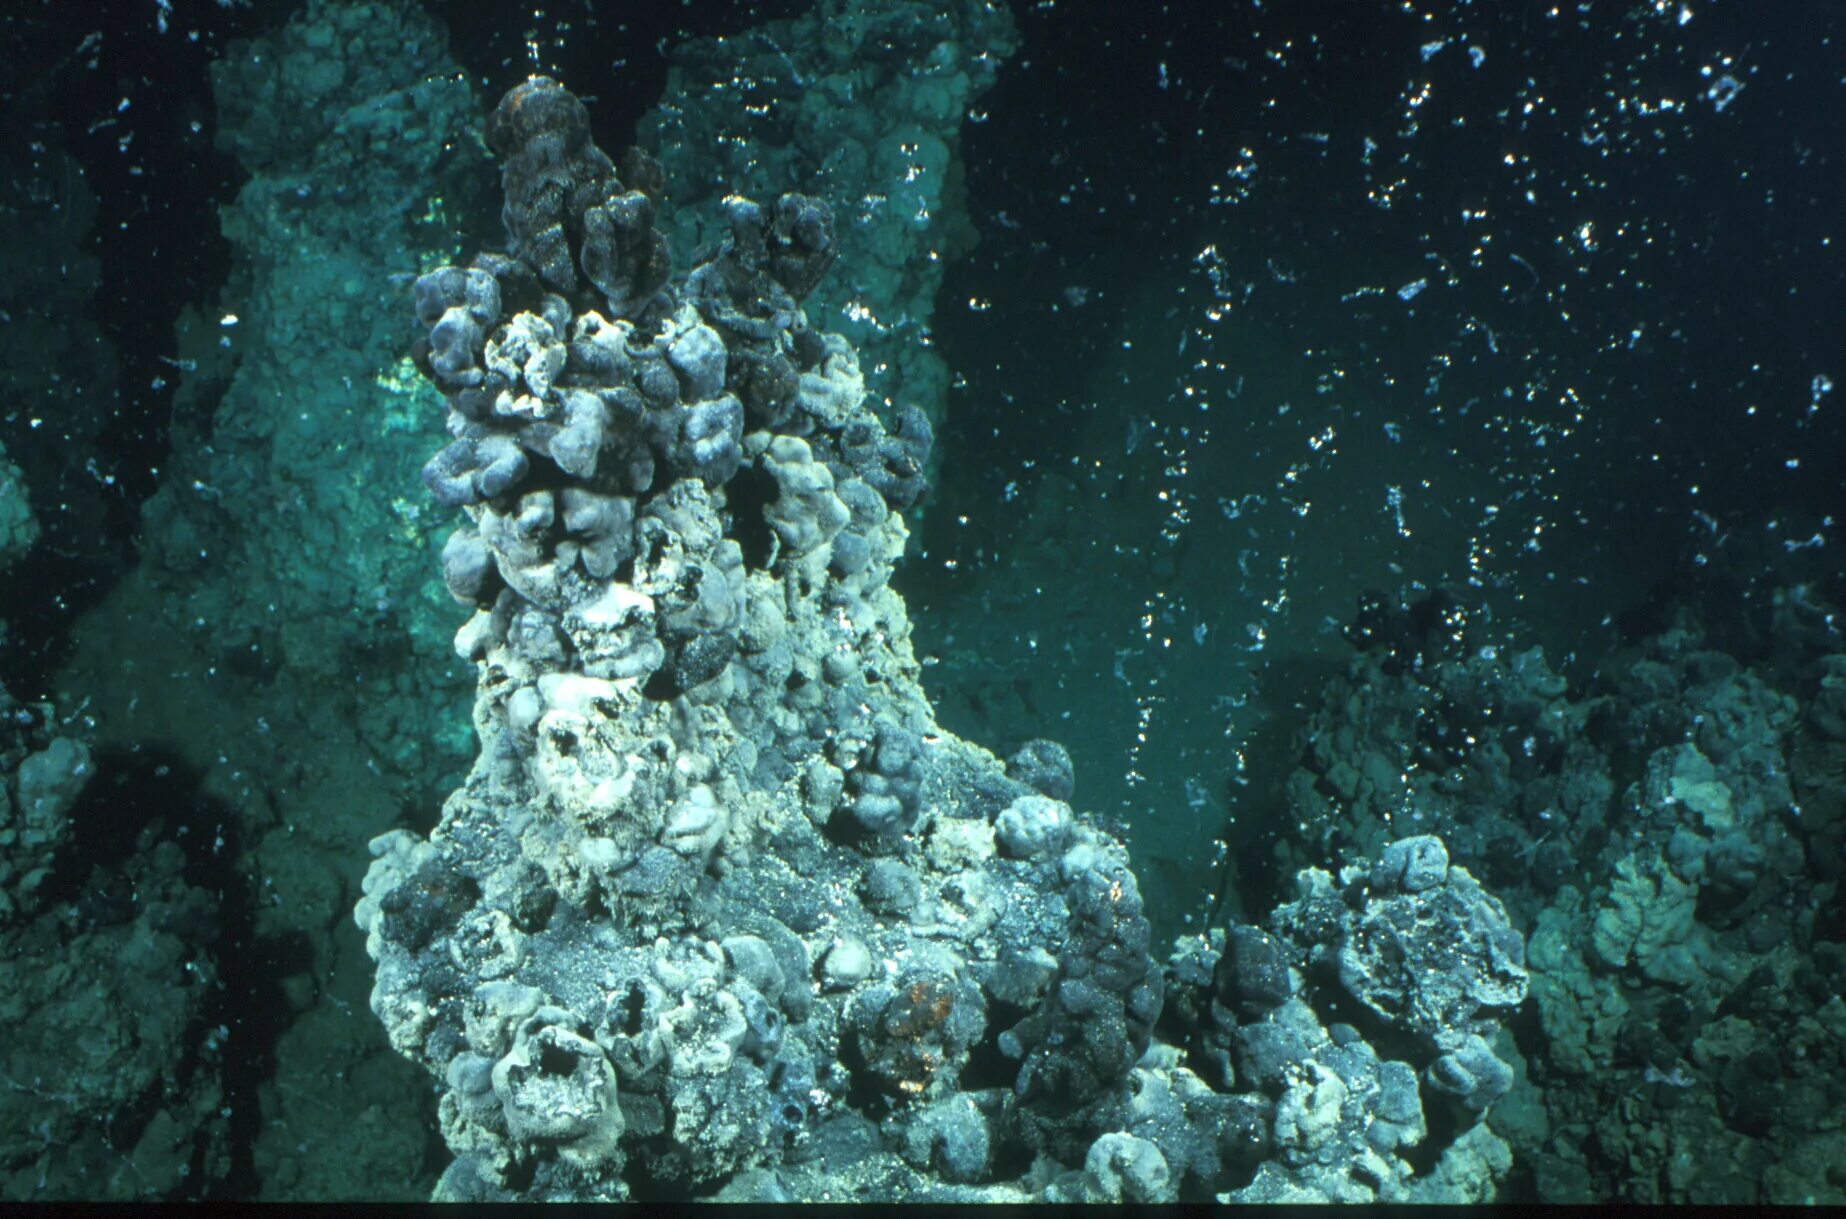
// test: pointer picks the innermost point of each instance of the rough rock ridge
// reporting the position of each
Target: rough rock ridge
(718, 892)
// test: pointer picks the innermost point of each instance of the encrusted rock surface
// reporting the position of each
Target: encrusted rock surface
(718, 883)
(720, 908)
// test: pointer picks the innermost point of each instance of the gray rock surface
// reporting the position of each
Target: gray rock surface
(1667, 841)
(1421, 950)
(636, 947)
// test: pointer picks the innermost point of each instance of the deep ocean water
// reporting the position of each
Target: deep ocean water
(922, 600)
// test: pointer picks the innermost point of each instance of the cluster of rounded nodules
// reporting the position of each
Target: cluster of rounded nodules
(719, 896)
(603, 422)
(579, 384)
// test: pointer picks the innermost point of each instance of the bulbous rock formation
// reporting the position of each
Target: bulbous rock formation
(719, 901)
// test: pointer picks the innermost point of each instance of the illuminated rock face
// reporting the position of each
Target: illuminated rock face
(721, 910)
(718, 896)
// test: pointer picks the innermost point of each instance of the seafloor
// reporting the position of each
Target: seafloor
(1064, 601)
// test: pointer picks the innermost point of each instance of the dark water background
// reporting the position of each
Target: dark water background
(1625, 217)
(1274, 304)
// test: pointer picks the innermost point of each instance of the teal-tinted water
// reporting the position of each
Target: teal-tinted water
(1346, 427)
